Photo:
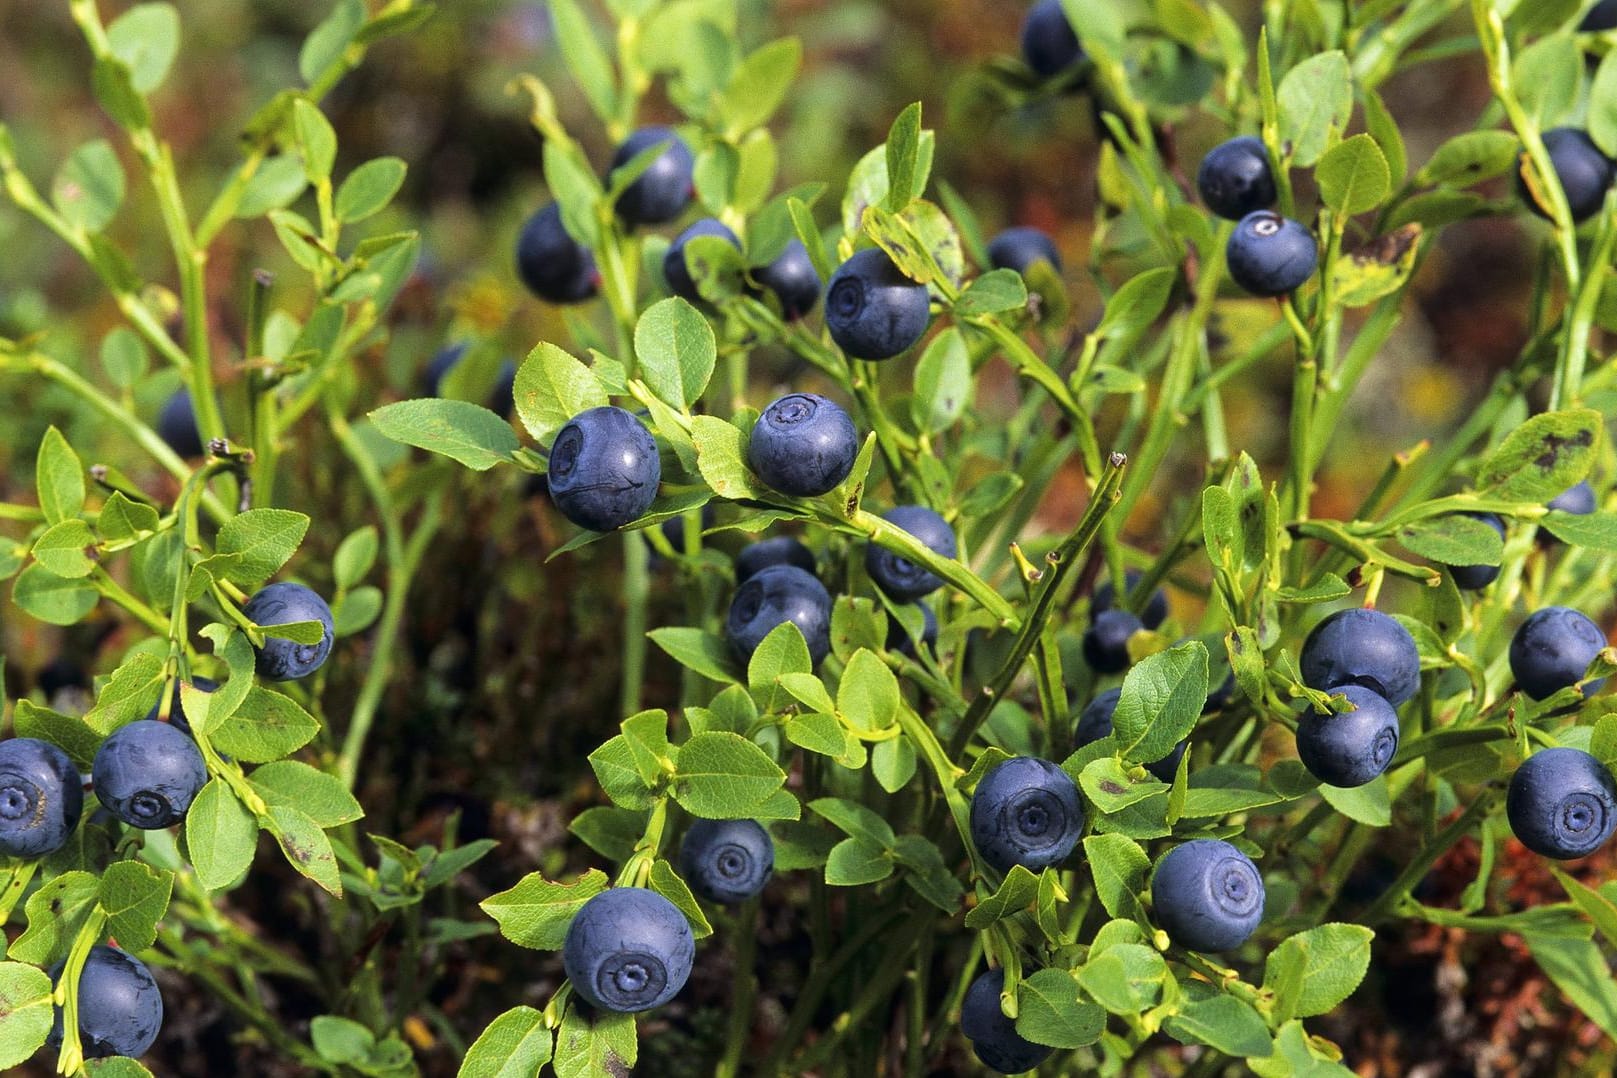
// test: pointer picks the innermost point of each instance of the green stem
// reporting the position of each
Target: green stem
(883, 534)
(745, 984)
(1423, 861)
(636, 604)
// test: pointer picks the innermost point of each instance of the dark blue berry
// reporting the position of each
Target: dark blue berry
(1049, 43)
(120, 1007)
(1096, 723)
(779, 550)
(1234, 178)
(993, 1036)
(1270, 255)
(1562, 803)
(1584, 172)
(773, 596)
(627, 950)
(803, 445)
(898, 639)
(177, 425)
(793, 279)
(726, 861)
(281, 659)
(1552, 649)
(553, 265)
(604, 469)
(1578, 499)
(1026, 812)
(1477, 577)
(677, 272)
(41, 797)
(663, 191)
(1105, 597)
(1352, 748)
(1362, 647)
(1603, 16)
(896, 575)
(176, 710)
(147, 774)
(1207, 895)
(872, 310)
(1018, 248)
(1106, 641)
(59, 674)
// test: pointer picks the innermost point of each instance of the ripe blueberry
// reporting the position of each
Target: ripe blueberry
(726, 861)
(1578, 499)
(501, 399)
(1019, 248)
(147, 774)
(1603, 16)
(1552, 649)
(1562, 803)
(628, 949)
(553, 265)
(176, 710)
(1106, 641)
(772, 596)
(1026, 812)
(281, 659)
(1049, 43)
(1477, 577)
(677, 272)
(41, 797)
(1583, 171)
(993, 1036)
(1105, 597)
(901, 641)
(663, 190)
(1352, 748)
(1096, 723)
(779, 550)
(1362, 647)
(872, 310)
(1270, 255)
(177, 425)
(604, 469)
(1207, 895)
(899, 577)
(1234, 178)
(793, 279)
(803, 445)
(120, 1007)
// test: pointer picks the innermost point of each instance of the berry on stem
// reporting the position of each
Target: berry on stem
(628, 950)
(773, 596)
(1271, 255)
(1105, 597)
(662, 192)
(1106, 641)
(872, 310)
(41, 798)
(899, 577)
(726, 861)
(677, 272)
(1018, 248)
(803, 445)
(1584, 172)
(1235, 179)
(120, 1007)
(1207, 895)
(1026, 812)
(1049, 43)
(793, 279)
(148, 773)
(1551, 650)
(1362, 647)
(281, 659)
(604, 469)
(777, 550)
(553, 265)
(1351, 748)
(1562, 803)
(992, 1035)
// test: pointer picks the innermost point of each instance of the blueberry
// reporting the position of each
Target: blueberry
(1049, 43)
(1019, 248)
(899, 577)
(59, 674)
(1552, 649)
(1365, 648)
(41, 797)
(177, 425)
(872, 310)
(147, 773)
(1477, 577)
(120, 1007)
(281, 659)
(803, 445)
(1096, 723)
(553, 265)
(899, 640)
(1349, 749)
(1105, 597)
(1026, 812)
(664, 190)
(993, 1036)
(1584, 172)
(1234, 178)
(775, 595)
(1603, 16)
(1207, 895)
(501, 399)
(793, 279)
(726, 861)
(1270, 255)
(176, 711)
(1562, 803)
(604, 469)
(675, 269)
(1578, 499)
(779, 550)
(1221, 697)
(628, 949)
(1106, 641)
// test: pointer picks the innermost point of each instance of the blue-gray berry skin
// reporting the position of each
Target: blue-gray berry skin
(177, 425)
(803, 445)
(1096, 722)
(281, 659)
(604, 469)
(1477, 577)
(1270, 255)
(1603, 16)
(663, 191)
(1106, 641)
(1235, 178)
(676, 271)
(1362, 647)
(627, 950)
(1049, 43)
(896, 575)
(778, 550)
(1020, 247)
(176, 709)
(1562, 803)
(726, 861)
(793, 279)
(1578, 498)
(1584, 171)
(41, 798)
(1207, 895)
(1552, 649)
(993, 1036)
(148, 773)
(120, 1007)
(872, 310)
(1026, 812)
(553, 265)
(773, 596)
(900, 640)
(1105, 597)
(1351, 748)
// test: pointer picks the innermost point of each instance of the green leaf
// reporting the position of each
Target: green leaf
(996, 291)
(146, 38)
(609, 831)
(64, 549)
(220, 836)
(759, 84)
(1316, 100)
(783, 651)
(115, 90)
(1543, 457)
(267, 726)
(903, 153)
(1111, 787)
(125, 359)
(705, 653)
(1469, 158)
(264, 540)
(856, 861)
(369, 188)
(1221, 1022)
(666, 882)
(341, 1040)
(893, 762)
(122, 521)
(460, 430)
(115, 1067)
(619, 775)
(646, 735)
(134, 897)
(1603, 107)
(1295, 1056)
(327, 41)
(1124, 978)
(1454, 540)
(1016, 894)
(676, 349)
(26, 1012)
(1581, 971)
(1052, 1013)
(517, 1044)
(867, 186)
(551, 388)
(943, 383)
(355, 557)
(1370, 804)
(1546, 75)
(809, 233)
(69, 734)
(89, 187)
(53, 599)
(723, 776)
(868, 695)
(315, 138)
(55, 911)
(1137, 304)
(305, 845)
(1600, 908)
(1162, 698)
(1593, 531)
(721, 454)
(586, 60)
(1354, 176)
(59, 475)
(592, 1047)
(1320, 967)
(129, 694)
(323, 797)
(276, 185)
(928, 875)
(536, 912)
(855, 821)
(1120, 868)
